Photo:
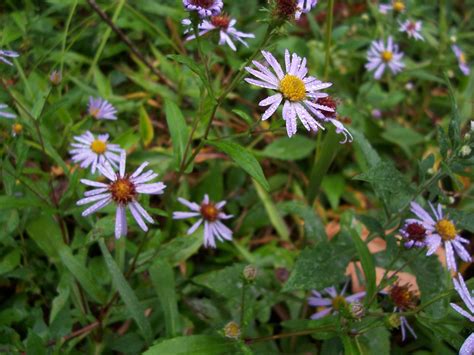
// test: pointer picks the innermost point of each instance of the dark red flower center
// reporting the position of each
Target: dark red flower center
(416, 232)
(411, 26)
(329, 102)
(203, 3)
(209, 212)
(221, 21)
(286, 8)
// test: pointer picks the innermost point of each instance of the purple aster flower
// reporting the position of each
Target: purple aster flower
(461, 288)
(376, 113)
(462, 60)
(441, 230)
(225, 25)
(10, 54)
(211, 214)
(414, 235)
(334, 302)
(396, 5)
(204, 8)
(123, 189)
(89, 150)
(304, 6)
(294, 87)
(101, 109)
(381, 56)
(6, 114)
(404, 300)
(412, 29)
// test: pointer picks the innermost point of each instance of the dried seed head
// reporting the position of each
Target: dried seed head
(286, 9)
(403, 297)
(250, 273)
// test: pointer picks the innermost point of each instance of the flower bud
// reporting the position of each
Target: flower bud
(250, 273)
(232, 330)
(465, 150)
(56, 77)
(357, 310)
(285, 9)
(393, 321)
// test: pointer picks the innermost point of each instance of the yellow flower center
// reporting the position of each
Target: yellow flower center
(399, 6)
(98, 146)
(339, 302)
(292, 88)
(387, 56)
(446, 229)
(462, 58)
(122, 190)
(17, 128)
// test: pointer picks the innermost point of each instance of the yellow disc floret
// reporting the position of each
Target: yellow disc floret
(399, 6)
(387, 56)
(446, 229)
(339, 302)
(122, 190)
(98, 146)
(292, 88)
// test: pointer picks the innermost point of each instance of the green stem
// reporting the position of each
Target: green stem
(290, 334)
(66, 33)
(327, 46)
(242, 306)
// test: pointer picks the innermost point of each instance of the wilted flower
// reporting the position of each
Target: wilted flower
(101, 109)
(123, 189)
(10, 54)
(381, 56)
(331, 117)
(55, 77)
(232, 330)
(441, 230)
(412, 29)
(225, 25)
(298, 91)
(304, 6)
(334, 303)
(396, 6)
(211, 214)
(6, 114)
(462, 60)
(16, 129)
(404, 299)
(204, 8)
(91, 151)
(414, 234)
(461, 288)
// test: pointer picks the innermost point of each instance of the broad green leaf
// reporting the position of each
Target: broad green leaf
(376, 341)
(35, 345)
(146, 127)
(368, 263)
(162, 278)
(47, 235)
(321, 266)
(313, 226)
(244, 159)
(369, 155)
(295, 148)
(350, 345)
(181, 248)
(82, 274)
(39, 104)
(404, 137)
(226, 282)
(196, 68)
(196, 345)
(9, 202)
(178, 130)
(272, 212)
(10, 261)
(131, 301)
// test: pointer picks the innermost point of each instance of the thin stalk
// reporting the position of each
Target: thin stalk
(242, 305)
(66, 33)
(290, 334)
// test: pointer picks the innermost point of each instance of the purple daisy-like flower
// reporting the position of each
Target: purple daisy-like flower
(304, 6)
(334, 302)
(6, 114)
(123, 189)
(396, 5)
(441, 230)
(225, 25)
(414, 234)
(462, 60)
(461, 288)
(10, 54)
(91, 151)
(211, 215)
(204, 8)
(101, 109)
(412, 29)
(294, 87)
(381, 56)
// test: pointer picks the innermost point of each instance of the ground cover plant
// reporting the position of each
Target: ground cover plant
(239, 177)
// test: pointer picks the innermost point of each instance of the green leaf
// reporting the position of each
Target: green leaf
(10, 261)
(368, 263)
(191, 64)
(145, 127)
(295, 148)
(82, 274)
(404, 137)
(226, 282)
(244, 159)
(244, 115)
(162, 278)
(272, 212)
(35, 345)
(196, 345)
(319, 267)
(370, 156)
(47, 235)
(178, 130)
(350, 345)
(8, 202)
(333, 186)
(313, 226)
(131, 301)
(376, 341)
(181, 248)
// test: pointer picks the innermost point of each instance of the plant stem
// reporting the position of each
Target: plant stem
(287, 335)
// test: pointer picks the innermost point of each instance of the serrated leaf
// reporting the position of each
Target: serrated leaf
(295, 148)
(243, 158)
(134, 307)
(145, 127)
(178, 130)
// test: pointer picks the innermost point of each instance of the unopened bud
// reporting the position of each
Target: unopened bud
(451, 200)
(465, 150)
(250, 273)
(357, 310)
(393, 321)
(232, 330)
(56, 77)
